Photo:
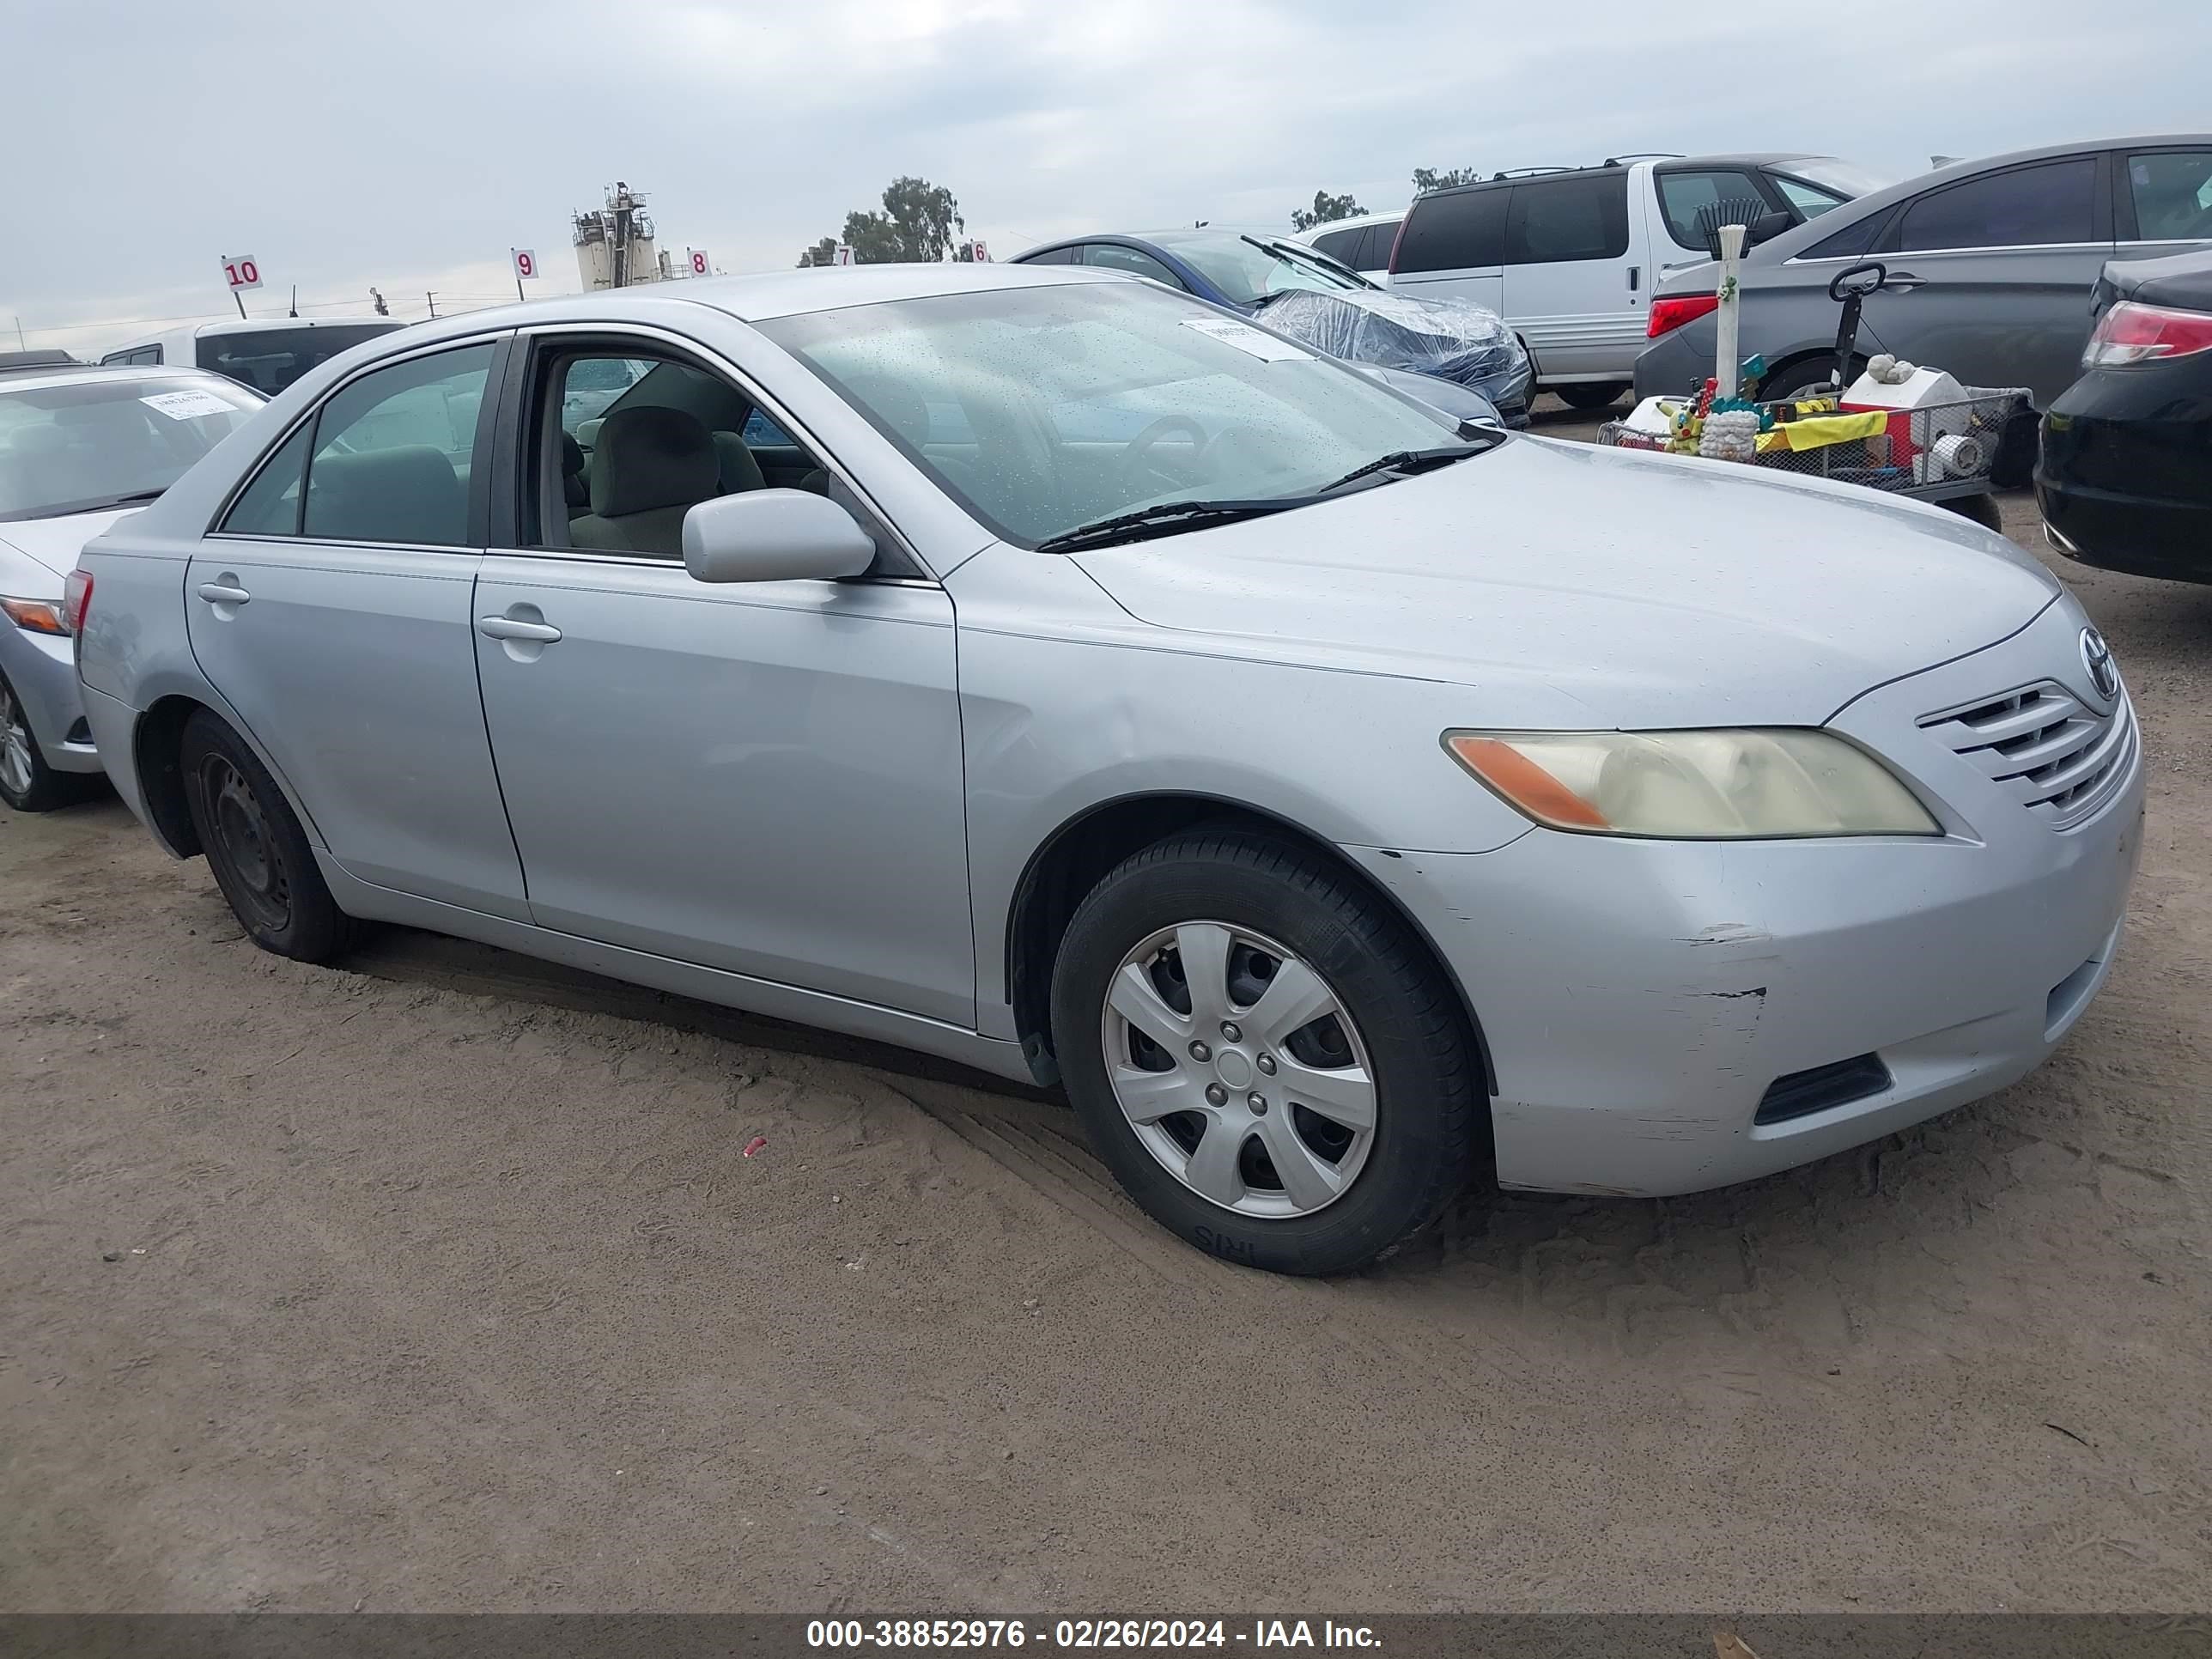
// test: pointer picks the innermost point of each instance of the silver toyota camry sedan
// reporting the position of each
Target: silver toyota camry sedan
(1037, 667)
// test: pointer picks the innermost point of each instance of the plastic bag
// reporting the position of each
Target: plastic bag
(1451, 338)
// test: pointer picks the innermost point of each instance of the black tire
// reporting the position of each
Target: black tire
(27, 782)
(1588, 395)
(1429, 1102)
(1808, 377)
(1981, 507)
(255, 847)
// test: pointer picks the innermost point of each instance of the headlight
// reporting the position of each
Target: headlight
(1694, 786)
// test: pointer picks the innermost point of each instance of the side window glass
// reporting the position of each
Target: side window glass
(393, 451)
(1554, 221)
(1342, 245)
(1810, 200)
(2173, 194)
(1110, 257)
(1682, 194)
(270, 506)
(761, 433)
(1853, 240)
(2027, 207)
(1456, 231)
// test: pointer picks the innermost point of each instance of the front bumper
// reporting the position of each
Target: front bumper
(43, 671)
(1639, 998)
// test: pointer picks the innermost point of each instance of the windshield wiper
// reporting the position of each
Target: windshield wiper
(1406, 462)
(1165, 520)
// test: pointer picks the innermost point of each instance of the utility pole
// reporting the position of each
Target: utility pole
(431, 299)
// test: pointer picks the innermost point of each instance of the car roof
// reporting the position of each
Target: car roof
(28, 380)
(263, 324)
(1352, 221)
(1796, 240)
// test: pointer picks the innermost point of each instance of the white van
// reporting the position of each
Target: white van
(267, 354)
(1363, 242)
(1569, 256)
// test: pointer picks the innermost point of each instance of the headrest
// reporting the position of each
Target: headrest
(572, 456)
(736, 465)
(651, 457)
(405, 495)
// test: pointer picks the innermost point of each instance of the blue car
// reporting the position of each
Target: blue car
(1250, 271)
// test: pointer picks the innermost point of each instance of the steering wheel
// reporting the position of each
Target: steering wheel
(1136, 460)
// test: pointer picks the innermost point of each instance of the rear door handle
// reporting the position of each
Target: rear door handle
(223, 593)
(506, 628)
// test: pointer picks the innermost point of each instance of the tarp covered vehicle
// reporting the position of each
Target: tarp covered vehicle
(1451, 339)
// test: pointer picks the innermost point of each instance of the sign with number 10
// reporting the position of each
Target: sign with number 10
(241, 270)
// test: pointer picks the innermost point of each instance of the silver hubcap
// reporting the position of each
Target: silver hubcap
(14, 744)
(1239, 1069)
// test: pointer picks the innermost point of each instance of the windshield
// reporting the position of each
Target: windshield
(1247, 270)
(1840, 179)
(270, 359)
(82, 445)
(1043, 409)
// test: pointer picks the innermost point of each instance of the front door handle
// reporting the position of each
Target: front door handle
(224, 593)
(509, 627)
(1904, 279)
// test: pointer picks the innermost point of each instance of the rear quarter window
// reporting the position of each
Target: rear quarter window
(1454, 230)
(1561, 220)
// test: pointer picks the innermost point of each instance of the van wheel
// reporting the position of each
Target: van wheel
(1587, 395)
(256, 846)
(1263, 1055)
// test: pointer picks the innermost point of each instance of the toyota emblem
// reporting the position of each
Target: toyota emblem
(2097, 658)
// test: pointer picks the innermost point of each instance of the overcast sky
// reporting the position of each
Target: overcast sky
(409, 143)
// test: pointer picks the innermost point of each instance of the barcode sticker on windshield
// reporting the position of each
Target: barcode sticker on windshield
(187, 405)
(1264, 346)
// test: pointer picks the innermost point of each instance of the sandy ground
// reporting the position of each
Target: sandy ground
(439, 1283)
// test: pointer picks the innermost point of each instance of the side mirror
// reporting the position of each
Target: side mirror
(1766, 227)
(773, 536)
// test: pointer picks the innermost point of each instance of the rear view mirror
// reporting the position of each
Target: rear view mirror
(773, 536)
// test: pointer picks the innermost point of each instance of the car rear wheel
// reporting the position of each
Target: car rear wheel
(1807, 378)
(256, 846)
(1263, 1055)
(1584, 395)
(27, 782)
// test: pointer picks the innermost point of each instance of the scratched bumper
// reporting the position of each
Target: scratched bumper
(1639, 998)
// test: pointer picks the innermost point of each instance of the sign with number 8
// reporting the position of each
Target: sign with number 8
(699, 266)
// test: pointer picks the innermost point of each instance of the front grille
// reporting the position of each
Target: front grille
(2045, 747)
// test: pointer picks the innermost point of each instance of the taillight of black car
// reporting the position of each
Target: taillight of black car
(2132, 332)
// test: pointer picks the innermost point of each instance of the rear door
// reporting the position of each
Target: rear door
(2164, 201)
(1452, 247)
(1990, 277)
(1575, 288)
(332, 610)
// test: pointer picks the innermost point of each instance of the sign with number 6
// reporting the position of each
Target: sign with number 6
(699, 264)
(525, 263)
(241, 270)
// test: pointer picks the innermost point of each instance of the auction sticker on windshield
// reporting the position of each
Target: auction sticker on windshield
(188, 405)
(1266, 347)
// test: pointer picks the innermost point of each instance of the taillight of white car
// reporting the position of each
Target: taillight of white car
(2131, 332)
(76, 599)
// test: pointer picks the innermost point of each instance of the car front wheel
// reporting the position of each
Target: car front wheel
(27, 782)
(1263, 1054)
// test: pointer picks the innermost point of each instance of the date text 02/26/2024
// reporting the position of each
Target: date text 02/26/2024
(1085, 1634)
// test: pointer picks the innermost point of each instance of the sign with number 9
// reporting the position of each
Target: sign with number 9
(525, 262)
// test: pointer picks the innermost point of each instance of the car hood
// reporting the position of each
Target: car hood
(55, 543)
(1585, 586)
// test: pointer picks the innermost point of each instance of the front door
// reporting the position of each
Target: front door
(331, 609)
(764, 778)
(1989, 278)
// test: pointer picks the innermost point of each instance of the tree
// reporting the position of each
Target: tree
(1428, 179)
(919, 224)
(1327, 208)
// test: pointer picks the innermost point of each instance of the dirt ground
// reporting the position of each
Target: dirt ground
(440, 1282)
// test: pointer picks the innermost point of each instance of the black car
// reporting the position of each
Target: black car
(2124, 479)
